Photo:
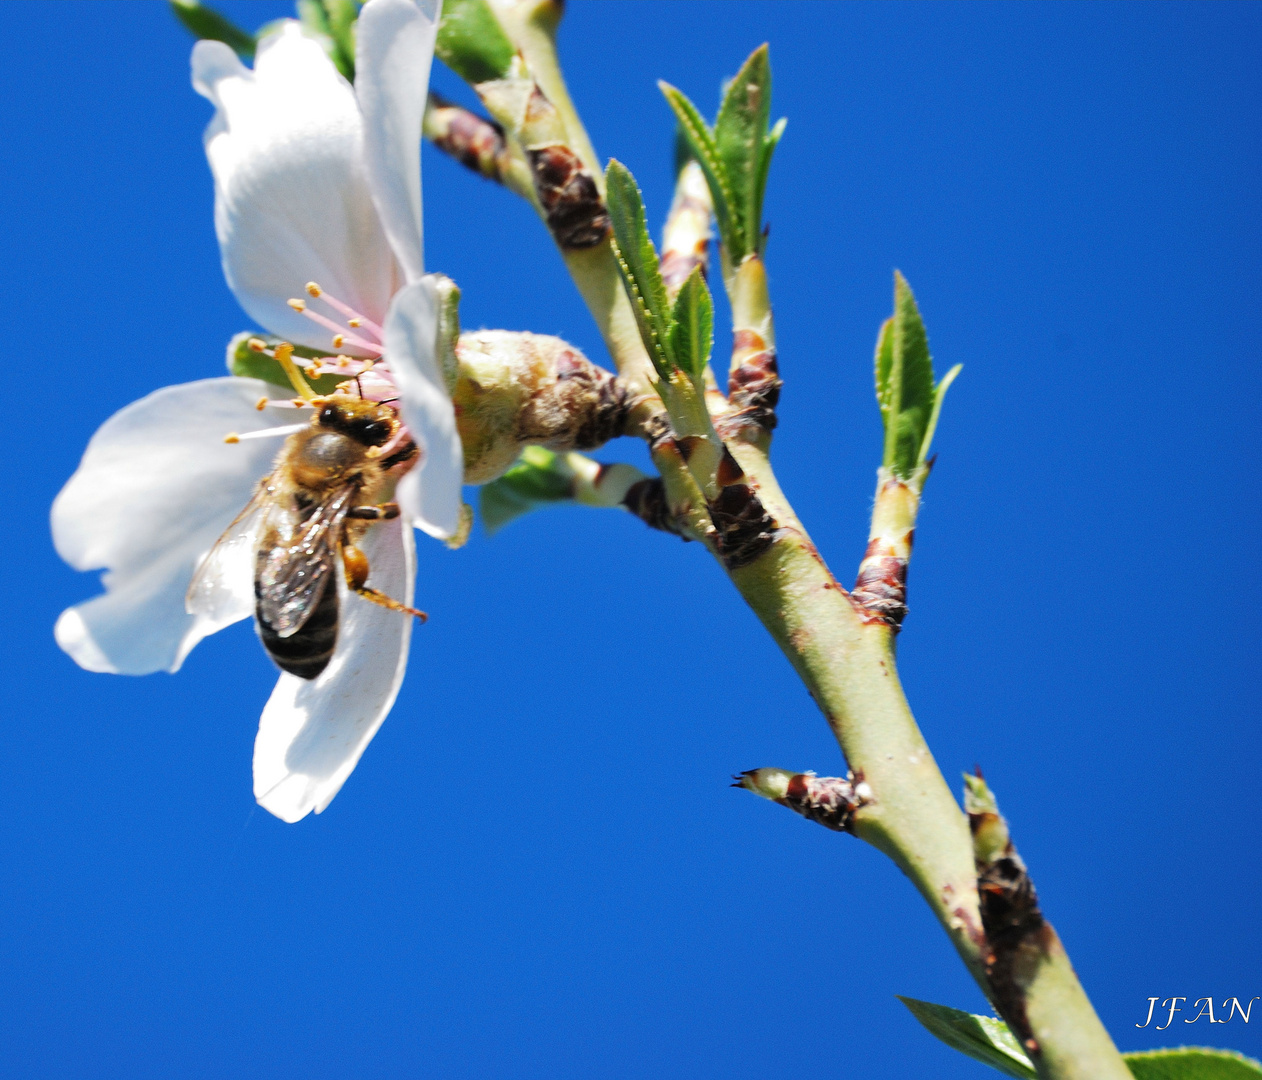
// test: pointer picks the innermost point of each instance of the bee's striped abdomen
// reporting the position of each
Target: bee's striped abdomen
(306, 652)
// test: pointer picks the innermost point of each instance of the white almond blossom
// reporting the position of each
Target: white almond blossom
(316, 181)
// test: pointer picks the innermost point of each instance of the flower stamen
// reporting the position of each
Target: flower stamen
(353, 317)
(265, 433)
(300, 306)
(284, 356)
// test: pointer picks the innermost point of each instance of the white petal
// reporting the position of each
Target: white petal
(312, 732)
(430, 493)
(292, 199)
(394, 44)
(156, 487)
(139, 625)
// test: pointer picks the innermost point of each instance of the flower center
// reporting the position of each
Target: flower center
(371, 376)
(367, 377)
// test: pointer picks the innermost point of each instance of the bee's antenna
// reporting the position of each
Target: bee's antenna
(387, 401)
(360, 388)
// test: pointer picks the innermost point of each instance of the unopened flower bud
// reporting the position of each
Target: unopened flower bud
(518, 389)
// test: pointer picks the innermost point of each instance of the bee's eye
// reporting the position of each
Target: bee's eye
(332, 416)
(370, 432)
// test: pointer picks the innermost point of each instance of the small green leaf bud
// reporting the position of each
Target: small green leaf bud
(991, 840)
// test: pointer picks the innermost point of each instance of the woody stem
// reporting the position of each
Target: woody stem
(845, 659)
(848, 667)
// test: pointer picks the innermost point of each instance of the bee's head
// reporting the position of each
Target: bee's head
(366, 422)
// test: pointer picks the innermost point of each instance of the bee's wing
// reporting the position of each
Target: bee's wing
(221, 589)
(294, 571)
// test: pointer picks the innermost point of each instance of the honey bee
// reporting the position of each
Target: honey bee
(301, 525)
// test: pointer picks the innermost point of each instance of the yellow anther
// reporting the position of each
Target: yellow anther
(342, 362)
(338, 341)
(298, 402)
(257, 344)
(297, 305)
(232, 437)
(285, 357)
(368, 364)
(261, 404)
(313, 289)
(354, 322)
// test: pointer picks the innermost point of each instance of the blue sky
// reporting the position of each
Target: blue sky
(538, 870)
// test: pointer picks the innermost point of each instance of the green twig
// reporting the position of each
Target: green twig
(845, 658)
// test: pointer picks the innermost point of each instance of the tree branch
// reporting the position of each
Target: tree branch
(842, 649)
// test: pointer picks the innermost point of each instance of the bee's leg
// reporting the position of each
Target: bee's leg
(380, 512)
(355, 563)
(399, 456)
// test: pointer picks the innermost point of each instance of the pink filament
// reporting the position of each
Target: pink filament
(353, 339)
(351, 313)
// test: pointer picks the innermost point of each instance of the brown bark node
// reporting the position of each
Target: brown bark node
(1017, 935)
(677, 266)
(744, 530)
(687, 445)
(729, 472)
(571, 201)
(474, 141)
(828, 800)
(880, 590)
(606, 418)
(753, 389)
(646, 499)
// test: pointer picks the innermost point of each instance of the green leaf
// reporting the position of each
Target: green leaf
(736, 154)
(207, 24)
(1192, 1063)
(764, 168)
(938, 394)
(340, 17)
(692, 332)
(244, 361)
(472, 42)
(539, 478)
(637, 260)
(682, 151)
(983, 1038)
(312, 15)
(740, 134)
(326, 21)
(700, 139)
(991, 1041)
(884, 364)
(904, 382)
